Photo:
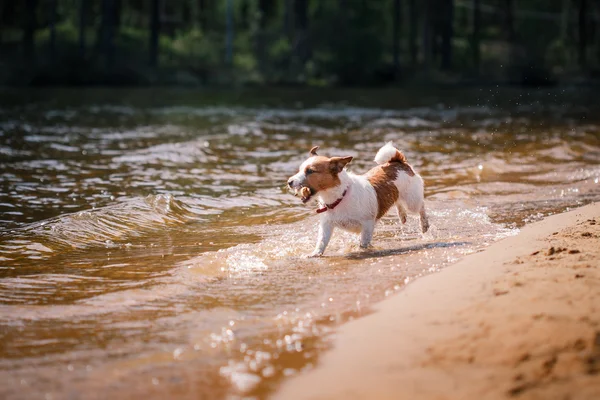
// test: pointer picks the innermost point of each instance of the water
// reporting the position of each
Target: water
(148, 245)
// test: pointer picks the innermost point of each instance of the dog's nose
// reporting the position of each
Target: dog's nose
(290, 183)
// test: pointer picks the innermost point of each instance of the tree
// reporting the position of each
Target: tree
(582, 29)
(301, 45)
(205, 8)
(475, 34)
(412, 31)
(154, 31)
(427, 33)
(106, 36)
(266, 9)
(229, 32)
(396, 35)
(82, 24)
(53, 28)
(288, 19)
(29, 30)
(509, 20)
(447, 34)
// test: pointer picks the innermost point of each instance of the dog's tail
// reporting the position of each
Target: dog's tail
(389, 153)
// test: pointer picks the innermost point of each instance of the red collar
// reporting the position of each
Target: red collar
(332, 205)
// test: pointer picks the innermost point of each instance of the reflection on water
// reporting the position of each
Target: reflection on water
(148, 245)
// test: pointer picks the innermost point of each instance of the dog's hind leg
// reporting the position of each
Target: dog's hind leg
(424, 219)
(401, 212)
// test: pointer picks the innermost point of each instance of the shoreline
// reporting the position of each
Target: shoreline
(518, 319)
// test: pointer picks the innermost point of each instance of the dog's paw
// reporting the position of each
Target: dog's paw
(314, 254)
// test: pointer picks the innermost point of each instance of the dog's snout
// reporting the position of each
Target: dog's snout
(290, 182)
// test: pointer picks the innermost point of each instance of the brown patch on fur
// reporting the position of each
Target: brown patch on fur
(337, 164)
(323, 177)
(400, 158)
(406, 168)
(382, 178)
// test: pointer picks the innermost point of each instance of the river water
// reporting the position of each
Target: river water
(149, 247)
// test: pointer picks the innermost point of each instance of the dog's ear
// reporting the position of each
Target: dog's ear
(313, 151)
(337, 164)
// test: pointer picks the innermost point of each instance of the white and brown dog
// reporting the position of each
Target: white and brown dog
(356, 202)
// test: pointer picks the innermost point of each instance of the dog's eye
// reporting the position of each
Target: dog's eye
(309, 171)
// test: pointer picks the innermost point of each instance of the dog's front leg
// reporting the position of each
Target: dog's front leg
(325, 231)
(366, 234)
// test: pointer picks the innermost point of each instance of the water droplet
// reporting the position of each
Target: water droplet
(177, 353)
(268, 371)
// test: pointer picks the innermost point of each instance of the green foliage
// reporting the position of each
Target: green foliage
(345, 42)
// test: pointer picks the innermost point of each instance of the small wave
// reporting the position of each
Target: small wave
(109, 227)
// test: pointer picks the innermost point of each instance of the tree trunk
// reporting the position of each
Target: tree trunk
(301, 47)
(154, 32)
(106, 35)
(582, 43)
(9, 15)
(396, 35)
(206, 13)
(510, 20)
(244, 15)
(447, 34)
(202, 14)
(82, 20)
(427, 34)
(475, 34)
(288, 19)
(29, 30)
(229, 32)
(266, 9)
(186, 14)
(117, 11)
(53, 29)
(412, 32)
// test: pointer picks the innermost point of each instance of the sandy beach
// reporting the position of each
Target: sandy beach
(520, 319)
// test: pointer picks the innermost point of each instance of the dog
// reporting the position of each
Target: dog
(356, 202)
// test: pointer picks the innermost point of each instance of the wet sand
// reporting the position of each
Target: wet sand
(520, 319)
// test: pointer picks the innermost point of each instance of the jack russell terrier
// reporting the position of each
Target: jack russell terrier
(356, 202)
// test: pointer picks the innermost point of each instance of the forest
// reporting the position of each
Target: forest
(299, 42)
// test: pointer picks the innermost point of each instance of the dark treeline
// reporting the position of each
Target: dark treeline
(314, 42)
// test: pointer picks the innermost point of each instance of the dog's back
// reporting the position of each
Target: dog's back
(396, 183)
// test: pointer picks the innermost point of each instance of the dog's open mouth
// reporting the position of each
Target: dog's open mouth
(305, 193)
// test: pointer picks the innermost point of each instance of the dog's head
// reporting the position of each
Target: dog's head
(317, 174)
